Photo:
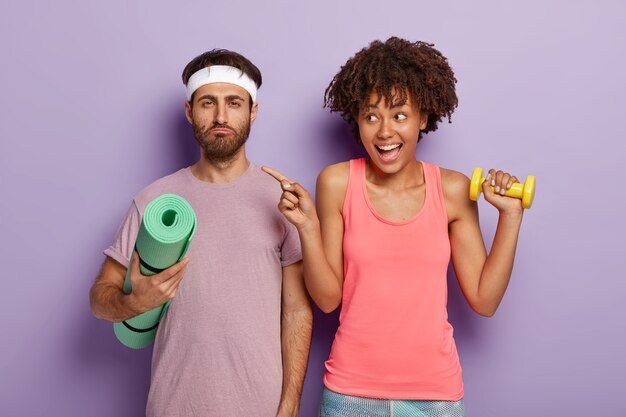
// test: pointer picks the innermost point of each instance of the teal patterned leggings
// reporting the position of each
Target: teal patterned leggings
(340, 405)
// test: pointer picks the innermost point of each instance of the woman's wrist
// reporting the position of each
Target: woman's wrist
(309, 227)
(513, 215)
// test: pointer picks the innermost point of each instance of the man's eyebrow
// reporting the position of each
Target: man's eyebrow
(207, 96)
(212, 97)
(233, 97)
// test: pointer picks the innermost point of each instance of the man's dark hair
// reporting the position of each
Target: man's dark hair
(222, 57)
(394, 69)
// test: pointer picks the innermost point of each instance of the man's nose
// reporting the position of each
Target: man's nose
(220, 114)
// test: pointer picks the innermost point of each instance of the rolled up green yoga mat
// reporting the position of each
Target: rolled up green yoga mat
(167, 227)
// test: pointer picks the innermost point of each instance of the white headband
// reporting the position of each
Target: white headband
(220, 74)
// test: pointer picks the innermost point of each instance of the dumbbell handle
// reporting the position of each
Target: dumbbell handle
(525, 191)
(516, 190)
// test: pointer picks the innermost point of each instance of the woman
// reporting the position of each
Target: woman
(381, 238)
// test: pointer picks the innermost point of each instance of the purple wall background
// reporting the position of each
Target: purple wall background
(92, 111)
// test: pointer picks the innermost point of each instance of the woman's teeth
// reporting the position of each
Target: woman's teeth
(388, 147)
(389, 153)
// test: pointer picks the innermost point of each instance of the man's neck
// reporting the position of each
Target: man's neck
(220, 172)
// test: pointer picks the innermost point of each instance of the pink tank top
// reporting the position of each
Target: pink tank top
(394, 340)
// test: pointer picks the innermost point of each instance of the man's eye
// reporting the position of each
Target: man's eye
(400, 116)
(206, 103)
(235, 104)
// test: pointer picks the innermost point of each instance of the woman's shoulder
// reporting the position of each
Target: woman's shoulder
(455, 184)
(333, 182)
(335, 175)
(452, 176)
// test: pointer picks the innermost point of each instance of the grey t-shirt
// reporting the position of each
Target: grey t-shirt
(217, 350)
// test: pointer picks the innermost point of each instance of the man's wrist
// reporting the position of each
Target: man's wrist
(130, 304)
(287, 410)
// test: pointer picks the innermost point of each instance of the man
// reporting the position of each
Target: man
(235, 339)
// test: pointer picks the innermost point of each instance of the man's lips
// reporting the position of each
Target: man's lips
(221, 131)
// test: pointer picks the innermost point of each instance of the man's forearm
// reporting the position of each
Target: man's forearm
(110, 303)
(296, 340)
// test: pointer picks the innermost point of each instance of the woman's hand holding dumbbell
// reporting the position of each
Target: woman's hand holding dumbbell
(499, 184)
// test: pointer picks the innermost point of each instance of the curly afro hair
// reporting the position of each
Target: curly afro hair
(394, 69)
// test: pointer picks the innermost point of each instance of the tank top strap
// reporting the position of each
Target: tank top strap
(357, 170)
(353, 191)
(434, 189)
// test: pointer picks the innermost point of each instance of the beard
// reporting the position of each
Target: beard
(221, 148)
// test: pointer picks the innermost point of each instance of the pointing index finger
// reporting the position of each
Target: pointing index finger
(277, 176)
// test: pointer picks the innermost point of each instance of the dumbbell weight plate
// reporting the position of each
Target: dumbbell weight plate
(475, 183)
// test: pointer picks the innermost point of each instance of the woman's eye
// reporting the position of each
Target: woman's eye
(371, 118)
(400, 116)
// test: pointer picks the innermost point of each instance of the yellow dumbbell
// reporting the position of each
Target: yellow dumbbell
(525, 191)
